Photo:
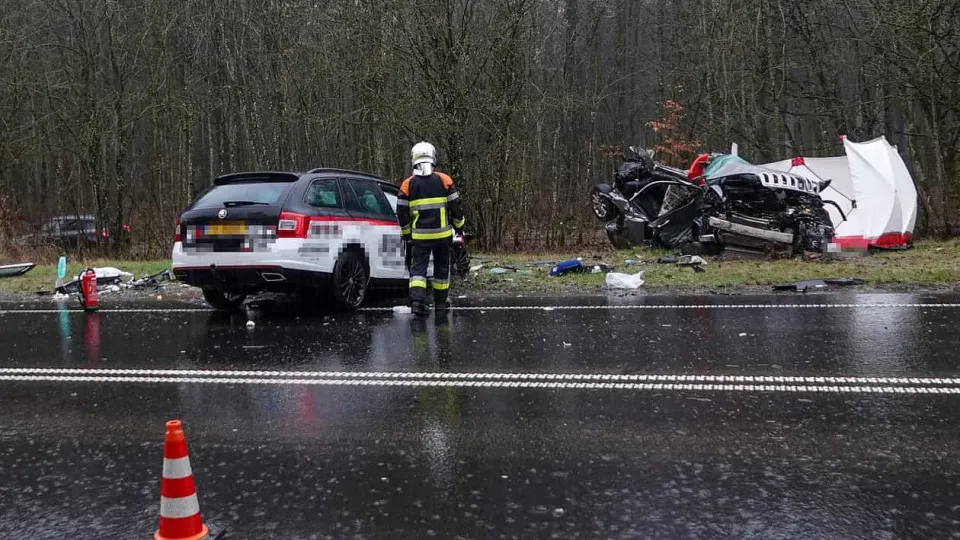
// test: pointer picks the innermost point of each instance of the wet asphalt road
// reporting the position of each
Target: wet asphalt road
(472, 453)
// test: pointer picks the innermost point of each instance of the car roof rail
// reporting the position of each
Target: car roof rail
(345, 171)
(263, 176)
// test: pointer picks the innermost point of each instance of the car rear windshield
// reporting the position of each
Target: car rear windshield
(243, 193)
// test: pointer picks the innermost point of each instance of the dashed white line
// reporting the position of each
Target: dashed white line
(481, 376)
(548, 308)
(759, 388)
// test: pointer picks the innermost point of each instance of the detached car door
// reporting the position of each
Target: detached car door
(377, 227)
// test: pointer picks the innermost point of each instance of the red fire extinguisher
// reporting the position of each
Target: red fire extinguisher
(88, 290)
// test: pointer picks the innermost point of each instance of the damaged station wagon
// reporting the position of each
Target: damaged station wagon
(327, 233)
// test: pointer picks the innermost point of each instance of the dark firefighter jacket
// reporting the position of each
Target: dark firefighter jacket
(429, 208)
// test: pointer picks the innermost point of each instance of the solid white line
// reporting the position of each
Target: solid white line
(130, 310)
(687, 307)
(501, 384)
(543, 308)
(460, 376)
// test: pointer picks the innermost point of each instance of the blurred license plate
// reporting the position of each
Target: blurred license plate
(227, 229)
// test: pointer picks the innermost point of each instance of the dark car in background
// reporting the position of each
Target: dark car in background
(69, 231)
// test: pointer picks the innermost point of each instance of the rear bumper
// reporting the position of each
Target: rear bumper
(250, 278)
(281, 269)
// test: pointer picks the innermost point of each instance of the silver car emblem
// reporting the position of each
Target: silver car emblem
(222, 213)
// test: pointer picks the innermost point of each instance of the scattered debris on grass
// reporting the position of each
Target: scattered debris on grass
(11, 270)
(615, 280)
(576, 266)
(110, 279)
(694, 261)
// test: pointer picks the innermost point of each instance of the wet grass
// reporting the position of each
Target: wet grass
(931, 263)
(44, 276)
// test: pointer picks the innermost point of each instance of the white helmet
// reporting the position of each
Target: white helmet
(424, 158)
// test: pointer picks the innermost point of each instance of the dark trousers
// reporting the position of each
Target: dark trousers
(421, 251)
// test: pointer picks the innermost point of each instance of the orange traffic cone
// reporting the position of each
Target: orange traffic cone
(179, 508)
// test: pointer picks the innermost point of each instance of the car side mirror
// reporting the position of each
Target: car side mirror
(825, 184)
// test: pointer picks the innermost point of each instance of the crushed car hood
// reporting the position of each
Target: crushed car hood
(728, 166)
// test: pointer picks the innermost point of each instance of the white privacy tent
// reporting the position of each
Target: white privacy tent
(873, 189)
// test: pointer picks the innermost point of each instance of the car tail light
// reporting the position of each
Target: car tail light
(177, 238)
(292, 225)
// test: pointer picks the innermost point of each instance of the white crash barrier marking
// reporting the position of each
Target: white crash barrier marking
(461, 376)
(758, 388)
(541, 308)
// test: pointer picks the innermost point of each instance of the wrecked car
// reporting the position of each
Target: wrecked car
(722, 204)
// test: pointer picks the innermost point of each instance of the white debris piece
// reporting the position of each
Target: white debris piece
(401, 310)
(251, 324)
(743, 334)
(115, 288)
(57, 297)
(109, 272)
(624, 281)
(476, 267)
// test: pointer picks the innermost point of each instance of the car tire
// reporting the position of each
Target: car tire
(601, 206)
(350, 280)
(222, 300)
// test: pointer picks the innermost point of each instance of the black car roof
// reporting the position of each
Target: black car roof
(282, 176)
(323, 170)
(264, 176)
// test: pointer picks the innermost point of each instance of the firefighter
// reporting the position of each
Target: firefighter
(429, 209)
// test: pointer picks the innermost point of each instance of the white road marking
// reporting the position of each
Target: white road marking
(542, 308)
(761, 388)
(461, 376)
(688, 307)
(128, 310)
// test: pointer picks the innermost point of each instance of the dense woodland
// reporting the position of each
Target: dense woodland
(128, 108)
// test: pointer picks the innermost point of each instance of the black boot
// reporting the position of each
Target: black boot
(417, 308)
(440, 302)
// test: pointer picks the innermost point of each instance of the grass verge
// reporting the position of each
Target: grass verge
(44, 276)
(932, 263)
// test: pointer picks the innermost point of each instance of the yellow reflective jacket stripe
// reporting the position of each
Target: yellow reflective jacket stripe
(442, 201)
(432, 236)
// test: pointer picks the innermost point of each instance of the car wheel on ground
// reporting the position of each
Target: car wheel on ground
(350, 280)
(460, 263)
(223, 300)
(602, 207)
